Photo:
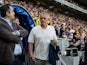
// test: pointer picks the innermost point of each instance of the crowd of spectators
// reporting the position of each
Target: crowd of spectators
(65, 26)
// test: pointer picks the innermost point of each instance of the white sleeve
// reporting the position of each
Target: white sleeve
(31, 36)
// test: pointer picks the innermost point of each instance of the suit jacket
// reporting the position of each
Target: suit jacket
(8, 41)
(53, 54)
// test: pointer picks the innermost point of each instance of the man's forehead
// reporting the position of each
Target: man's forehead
(44, 16)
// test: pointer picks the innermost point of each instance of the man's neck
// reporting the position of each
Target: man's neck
(7, 18)
(44, 26)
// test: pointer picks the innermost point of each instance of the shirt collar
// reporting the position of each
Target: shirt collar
(7, 21)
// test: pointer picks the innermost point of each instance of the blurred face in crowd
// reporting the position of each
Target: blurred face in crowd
(86, 34)
(77, 36)
(16, 20)
(10, 13)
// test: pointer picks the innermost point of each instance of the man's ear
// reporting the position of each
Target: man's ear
(7, 13)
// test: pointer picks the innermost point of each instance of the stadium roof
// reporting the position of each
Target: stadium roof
(81, 2)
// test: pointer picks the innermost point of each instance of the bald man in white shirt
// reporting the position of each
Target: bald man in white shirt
(41, 36)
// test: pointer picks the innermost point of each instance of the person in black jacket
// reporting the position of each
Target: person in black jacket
(53, 53)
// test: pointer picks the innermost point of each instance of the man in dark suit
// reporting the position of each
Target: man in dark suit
(10, 34)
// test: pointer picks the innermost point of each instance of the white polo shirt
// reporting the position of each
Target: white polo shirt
(41, 38)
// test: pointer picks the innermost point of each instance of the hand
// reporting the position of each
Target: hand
(32, 57)
(14, 33)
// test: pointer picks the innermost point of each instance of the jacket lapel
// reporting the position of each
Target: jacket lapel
(6, 24)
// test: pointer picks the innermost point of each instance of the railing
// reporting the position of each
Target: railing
(63, 43)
